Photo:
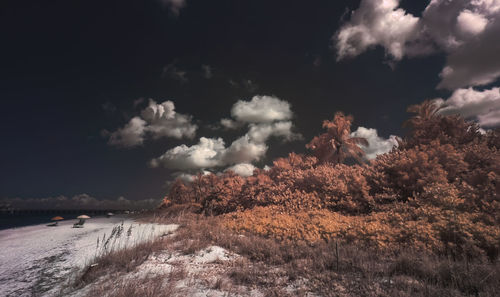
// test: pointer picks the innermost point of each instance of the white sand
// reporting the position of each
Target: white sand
(37, 260)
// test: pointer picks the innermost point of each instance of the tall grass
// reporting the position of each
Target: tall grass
(286, 268)
(120, 251)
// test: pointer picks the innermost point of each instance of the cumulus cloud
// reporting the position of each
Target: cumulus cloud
(471, 23)
(206, 154)
(174, 6)
(209, 153)
(376, 144)
(376, 23)
(155, 121)
(482, 106)
(261, 109)
(467, 31)
(244, 150)
(262, 132)
(265, 116)
(474, 63)
(164, 121)
(82, 201)
(132, 134)
(242, 169)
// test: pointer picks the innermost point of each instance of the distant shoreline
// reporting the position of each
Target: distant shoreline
(23, 218)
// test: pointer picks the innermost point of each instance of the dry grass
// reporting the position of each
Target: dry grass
(333, 269)
(147, 286)
(289, 268)
(121, 260)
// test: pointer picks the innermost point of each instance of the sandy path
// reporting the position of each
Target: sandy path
(36, 260)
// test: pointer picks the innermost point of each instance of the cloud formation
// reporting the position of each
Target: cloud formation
(467, 31)
(132, 134)
(82, 201)
(206, 153)
(261, 109)
(209, 153)
(376, 144)
(265, 117)
(242, 169)
(377, 22)
(155, 121)
(261, 132)
(230, 124)
(482, 106)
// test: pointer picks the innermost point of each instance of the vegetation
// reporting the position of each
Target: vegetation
(421, 220)
(437, 191)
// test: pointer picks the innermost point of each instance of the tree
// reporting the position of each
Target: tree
(336, 144)
(429, 124)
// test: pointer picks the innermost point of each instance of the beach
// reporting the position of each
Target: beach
(39, 260)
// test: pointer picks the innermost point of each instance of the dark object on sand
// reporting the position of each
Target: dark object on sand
(81, 221)
(56, 221)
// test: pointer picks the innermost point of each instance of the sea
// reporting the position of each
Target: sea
(8, 220)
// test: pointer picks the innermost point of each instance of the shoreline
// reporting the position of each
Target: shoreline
(38, 260)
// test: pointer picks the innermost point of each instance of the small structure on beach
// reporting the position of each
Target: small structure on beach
(55, 221)
(109, 214)
(81, 221)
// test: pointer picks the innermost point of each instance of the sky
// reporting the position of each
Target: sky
(108, 100)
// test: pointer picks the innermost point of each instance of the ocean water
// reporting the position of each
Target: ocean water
(25, 219)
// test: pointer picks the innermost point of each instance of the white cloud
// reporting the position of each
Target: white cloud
(261, 109)
(265, 117)
(475, 63)
(132, 134)
(244, 150)
(376, 23)
(491, 119)
(155, 121)
(187, 177)
(376, 144)
(482, 106)
(230, 124)
(82, 201)
(164, 121)
(242, 169)
(471, 23)
(262, 132)
(209, 153)
(174, 6)
(467, 31)
(206, 154)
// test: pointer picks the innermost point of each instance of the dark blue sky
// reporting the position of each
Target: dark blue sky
(70, 69)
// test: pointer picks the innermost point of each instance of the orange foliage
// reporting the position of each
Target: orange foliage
(336, 144)
(439, 190)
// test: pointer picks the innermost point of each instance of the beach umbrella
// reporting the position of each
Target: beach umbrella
(58, 218)
(81, 221)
